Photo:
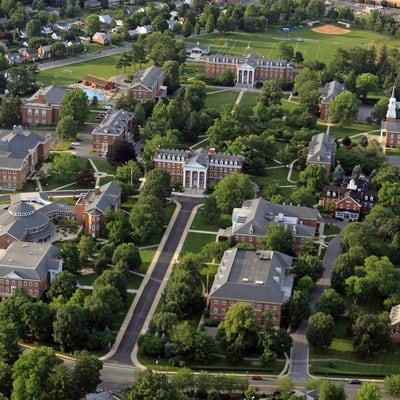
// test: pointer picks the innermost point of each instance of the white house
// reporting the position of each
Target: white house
(106, 19)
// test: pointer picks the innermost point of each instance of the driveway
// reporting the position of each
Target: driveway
(143, 306)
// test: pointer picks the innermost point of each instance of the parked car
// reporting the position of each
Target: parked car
(75, 143)
(354, 382)
(256, 378)
(71, 148)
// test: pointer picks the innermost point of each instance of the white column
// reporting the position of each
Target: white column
(190, 172)
(205, 180)
(198, 180)
(238, 78)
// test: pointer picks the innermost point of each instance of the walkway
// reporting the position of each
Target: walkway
(98, 174)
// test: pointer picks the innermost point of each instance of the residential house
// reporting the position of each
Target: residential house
(140, 30)
(102, 38)
(395, 323)
(148, 84)
(14, 58)
(106, 19)
(20, 152)
(98, 83)
(47, 30)
(27, 55)
(56, 36)
(117, 124)
(259, 278)
(92, 5)
(250, 222)
(197, 50)
(391, 126)
(62, 26)
(322, 152)
(197, 168)
(90, 208)
(28, 266)
(114, 3)
(248, 70)
(43, 107)
(330, 91)
(351, 200)
(44, 52)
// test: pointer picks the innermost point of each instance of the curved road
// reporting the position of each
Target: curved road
(143, 306)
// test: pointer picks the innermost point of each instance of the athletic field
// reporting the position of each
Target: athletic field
(313, 45)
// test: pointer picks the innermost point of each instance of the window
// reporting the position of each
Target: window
(43, 113)
(215, 310)
(30, 291)
(30, 283)
(36, 284)
(36, 112)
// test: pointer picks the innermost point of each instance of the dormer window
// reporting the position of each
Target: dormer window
(366, 198)
(328, 193)
(333, 194)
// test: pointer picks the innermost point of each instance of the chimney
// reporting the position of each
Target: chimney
(211, 151)
(17, 129)
(97, 190)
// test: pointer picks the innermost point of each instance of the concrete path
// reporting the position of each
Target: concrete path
(64, 186)
(89, 287)
(200, 231)
(289, 176)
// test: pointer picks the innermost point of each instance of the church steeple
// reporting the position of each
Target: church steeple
(391, 115)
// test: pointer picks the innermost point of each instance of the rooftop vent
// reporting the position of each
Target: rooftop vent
(245, 279)
(259, 282)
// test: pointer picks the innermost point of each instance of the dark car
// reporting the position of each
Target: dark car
(256, 378)
(354, 382)
(71, 148)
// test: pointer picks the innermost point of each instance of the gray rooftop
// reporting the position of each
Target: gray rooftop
(114, 123)
(109, 196)
(321, 149)
(29, 260)
(149, 77)
(52, 94)
(249, 59)
(15, 145)
(331, 90)
(255, 215)
(390, 126)
(247, 275)
(204, 48)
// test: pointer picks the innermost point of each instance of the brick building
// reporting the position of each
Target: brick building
(351, 200)
(259, 278)
(43, 107)
(117, 124)
(322, 152)
(395, 323)
(98, 83)
(197, 168)
(29, 266)
(91, 207)
(101, 38)
(148, 84)
(248, 70)
(330, 91)
(391, 127)
(20, 152)
(250, 222)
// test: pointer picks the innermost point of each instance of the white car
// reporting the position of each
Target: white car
(75, 143)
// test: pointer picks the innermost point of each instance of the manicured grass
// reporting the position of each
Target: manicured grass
(169, 210)
(87, 280)
(340, 359)
(195, 241)
(191, 71)
(101, 67)
(250, 99)
(278, 175)
(351, 129)
(207, 273)
(289, 105)
(5, 199)
(314, 46)
(71, 201)
(331, 230)
(393, 152)
(224, 98)
(199, 223)
(147, 256)
(133, 281)
(104, 166)
(63, 145)
(29, 186)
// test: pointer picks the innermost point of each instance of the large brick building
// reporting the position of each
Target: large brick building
(148, 84)
(116, 124)
(248, 70)
(259, 278)
(20, 152)
(197, 168)
(28, 266)
(330, 91)
(351, 200)
(322, 152)
(250, 222)
(391, 127)
(43, 107)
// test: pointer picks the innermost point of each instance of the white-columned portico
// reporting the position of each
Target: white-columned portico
(195, 177)
(245, 75)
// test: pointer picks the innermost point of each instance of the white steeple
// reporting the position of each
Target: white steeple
(391, 112)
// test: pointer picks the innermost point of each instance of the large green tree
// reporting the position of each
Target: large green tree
(330, 302)
(76, 105)
(320, 330)
(343, 109)
(368, 391)
(277, 238)
(92, 24)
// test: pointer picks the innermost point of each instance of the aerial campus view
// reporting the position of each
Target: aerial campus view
(199, 200)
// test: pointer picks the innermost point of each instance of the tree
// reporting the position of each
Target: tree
(85, 176)
(355, 234)
(343, 109)
(128, 253)
(172, 75)
(370, 334)
(309, 265)
(231, 191)
(183, 379)
(392, 385)
(315, 9)
(33, 27)
(58, 50)
(92, 24)
(386, 174)
(304, 197)
(124, 61)
(297, 308)
(330, 302)
(164, 322)
(22, 79)
(380, 109)
(70, 257)
(118, 228)
(237, 332)
(329, 390)
(116, 279)
(120, 152)
(320, 330)
(144, 221)
(139, 52)
(313, 177)
(76, 105)
(64, 166)
(5, 380)
(285, 51)
(277, 238)
(158, 184)
(209, 210)
(271, 93)
(85, 375)
(64, 284)
(152, 386)
(285, 386)
(128, 174)
(338, 175)
(365, 83)
(9, 350)
(210, 25)
(187, 28)
(10, 112)
(85, 247)
(37, 318)
(389, 195)
(368, 391)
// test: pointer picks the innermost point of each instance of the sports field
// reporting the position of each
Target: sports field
(313, 45)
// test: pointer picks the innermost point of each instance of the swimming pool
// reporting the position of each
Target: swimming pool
(90, 93)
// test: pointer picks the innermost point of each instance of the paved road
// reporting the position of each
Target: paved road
(85, 57)
(299, 356)
(123, 353)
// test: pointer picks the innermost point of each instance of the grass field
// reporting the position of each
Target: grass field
(314, 46)
(147, 257)
(278, 175)
(250, 99)
(195, 241)
(199, 223)
(217, 99)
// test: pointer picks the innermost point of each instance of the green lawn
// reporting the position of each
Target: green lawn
(278, 175)
(249, 98)
(102, 67)
(133, 281)
(222, 98)
(331, 230)
(104, 166)
(208, 272)
(351, 129)
(343, 360)
(87, 280)
(393, 152)
(199, 223)
(195, 241)
(191, 71)
(289, 105)
(313, 45)
(147, 256)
